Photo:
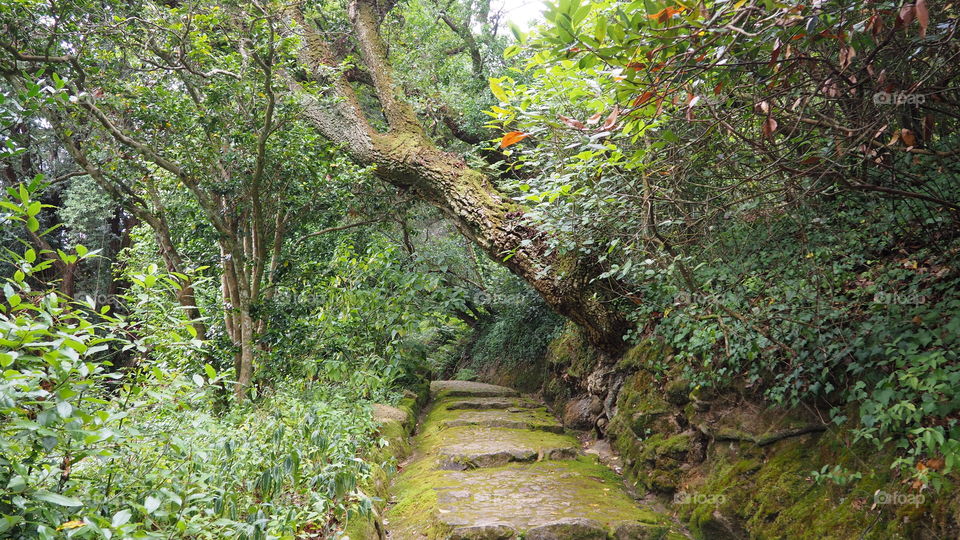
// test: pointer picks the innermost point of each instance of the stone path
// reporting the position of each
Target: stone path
(490, 465)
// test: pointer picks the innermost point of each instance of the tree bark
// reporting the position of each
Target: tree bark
(406, 158)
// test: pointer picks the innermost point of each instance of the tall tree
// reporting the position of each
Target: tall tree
(405, 157)
(190, 103)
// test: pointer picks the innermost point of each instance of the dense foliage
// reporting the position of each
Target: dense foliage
(773, 186)
(204, 290)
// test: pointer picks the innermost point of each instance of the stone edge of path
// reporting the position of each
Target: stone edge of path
(395, 424)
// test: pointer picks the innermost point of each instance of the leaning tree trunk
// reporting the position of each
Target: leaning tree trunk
(404, 157)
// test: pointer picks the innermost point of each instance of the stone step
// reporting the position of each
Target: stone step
(471, 448)
(532, 419)
(560, 500)
(491, 465)
(447, 389)
(485, 403)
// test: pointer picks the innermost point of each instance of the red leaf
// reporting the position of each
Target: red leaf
(769, 126)
(611, 120)
(775, 54)
(575, 124)
(663, 16)
(875, 24)
(642, 98)
(923, 16)
(593, 119)
(513, 138)
(906, 15)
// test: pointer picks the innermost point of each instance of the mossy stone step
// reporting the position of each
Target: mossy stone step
(448, 389)
(493, 466)
(485, 403)
(470, 448)
(521, 419)
(574, 499)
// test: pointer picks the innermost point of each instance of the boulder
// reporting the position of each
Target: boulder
(568, 529)
(638, 531)
(491, 531)
(382, 413)
(582, 413)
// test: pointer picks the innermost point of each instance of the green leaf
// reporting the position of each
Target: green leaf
(497, 90)
(64, 409)
(56, 498)
(150, 504)
(17, 484)
(211, 373)
(120, 518)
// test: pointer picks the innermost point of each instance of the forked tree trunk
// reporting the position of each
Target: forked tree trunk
(406, 158)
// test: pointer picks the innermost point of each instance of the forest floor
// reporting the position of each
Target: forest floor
(491, 464)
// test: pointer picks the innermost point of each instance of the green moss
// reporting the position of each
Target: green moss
(572, 352)
(556, 393)
(771, 494)
(639, 406)
(661, 445)
(584, 481)
(382, 460)
(643, 355)
(677, 391)
(361, 528)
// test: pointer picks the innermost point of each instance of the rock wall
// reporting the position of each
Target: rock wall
(730, 466)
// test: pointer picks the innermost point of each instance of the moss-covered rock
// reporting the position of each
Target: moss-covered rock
(572, 352)
(770, 492)
(677, 391)
(568, 529)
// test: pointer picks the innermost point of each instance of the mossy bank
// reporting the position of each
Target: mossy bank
(730, 466)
